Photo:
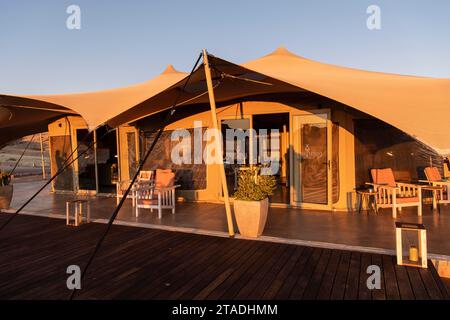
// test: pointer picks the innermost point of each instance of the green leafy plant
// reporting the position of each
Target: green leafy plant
(5, 179)
(252, 186)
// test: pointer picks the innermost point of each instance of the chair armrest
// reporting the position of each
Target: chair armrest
(123, 181)
(441, 183)
(168, 188)
(381, 186)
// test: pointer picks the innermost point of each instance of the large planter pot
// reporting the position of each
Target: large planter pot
(6, 193)
(251, 216)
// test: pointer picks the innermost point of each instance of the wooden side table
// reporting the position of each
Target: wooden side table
(78, 206)
(365, 196)
(435, 190)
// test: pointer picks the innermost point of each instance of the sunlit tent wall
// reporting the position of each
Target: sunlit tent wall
(358, 143)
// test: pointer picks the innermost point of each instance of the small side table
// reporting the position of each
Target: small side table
(435, 190)
(78, 206)
(365, 196)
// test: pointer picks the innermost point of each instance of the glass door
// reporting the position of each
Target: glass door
(85, 165)
(129, 152)
(312, 161)
(106, 160)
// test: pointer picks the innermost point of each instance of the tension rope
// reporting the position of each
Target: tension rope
(166, 121)
(61, 170)
(21, 156)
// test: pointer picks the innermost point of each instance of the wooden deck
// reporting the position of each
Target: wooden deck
(137, 263)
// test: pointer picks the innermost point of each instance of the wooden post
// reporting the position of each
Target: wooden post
(223, 179)
(42, 156)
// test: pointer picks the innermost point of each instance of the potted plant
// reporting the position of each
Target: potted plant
(6, 190)
(251, 202)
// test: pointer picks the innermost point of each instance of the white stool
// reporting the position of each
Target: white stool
(78, 212)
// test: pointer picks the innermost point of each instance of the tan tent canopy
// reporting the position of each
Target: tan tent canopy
(419, 106)
(20, 117)
(95, 107)
(416, 105)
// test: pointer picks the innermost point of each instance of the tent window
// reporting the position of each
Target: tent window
(380, 145)
(189, 176)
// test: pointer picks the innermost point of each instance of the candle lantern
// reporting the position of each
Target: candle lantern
(417, 254)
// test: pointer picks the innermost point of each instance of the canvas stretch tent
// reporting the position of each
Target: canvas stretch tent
(365, 111)
(418, 106)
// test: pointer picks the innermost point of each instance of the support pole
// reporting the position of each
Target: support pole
(223, 179)
(42, 156)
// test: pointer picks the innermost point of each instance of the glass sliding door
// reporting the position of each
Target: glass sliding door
(236, 146)
(86, 160)
(312, 165)
(107, 161)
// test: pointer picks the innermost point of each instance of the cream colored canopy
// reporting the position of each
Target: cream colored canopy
(95, 107)
(416, 105)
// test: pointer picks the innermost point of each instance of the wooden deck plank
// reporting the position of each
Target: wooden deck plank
(379, 294)
(291, 280)
(364, 293)
(228, 289)
(326, 286)
(212, 270)
(403, 283)
(392, 292)
(266, 281)
(312, 290)
(306, 276)
(352, 284)
(430, 285)
(420, 293)
(136, 263)
(341, 277)
(247, 290)
(283, 274)
(442, 288)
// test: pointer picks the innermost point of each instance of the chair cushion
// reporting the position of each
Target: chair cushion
(164, 178)
(149, 201)
(145, 175)
(407, 199)
(433, 174)
(383, 176)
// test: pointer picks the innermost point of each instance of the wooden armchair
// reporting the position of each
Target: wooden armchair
(144, 178)
(434, 178)
(160, 195)
(395, 195)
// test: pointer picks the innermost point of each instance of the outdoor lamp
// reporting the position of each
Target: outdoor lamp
(417, 255)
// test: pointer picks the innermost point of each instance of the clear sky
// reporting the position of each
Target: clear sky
(126, 42)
